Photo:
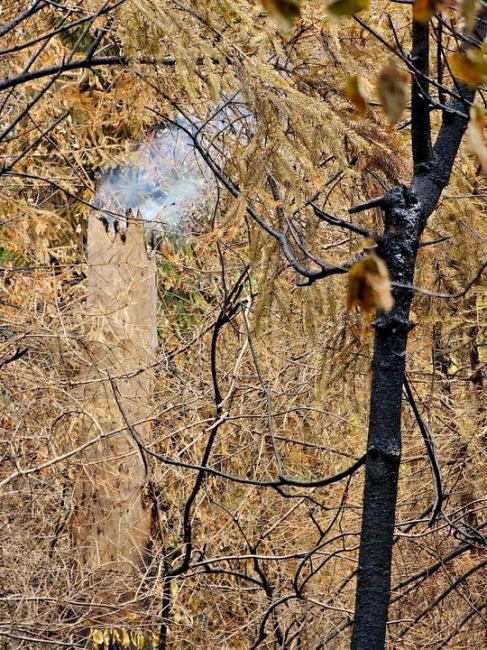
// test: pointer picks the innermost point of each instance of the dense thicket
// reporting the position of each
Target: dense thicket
(262, 376)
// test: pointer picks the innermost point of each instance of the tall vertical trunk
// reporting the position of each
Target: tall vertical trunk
(403, 224)
(111, 523)
(406, 211)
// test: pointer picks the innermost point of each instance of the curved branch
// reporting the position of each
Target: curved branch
(81, 64)
(430, 448)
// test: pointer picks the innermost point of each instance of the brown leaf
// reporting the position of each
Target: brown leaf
(369, 285)
(469, 66)
(286, 10)
(357, 93)
(393, 91)
(423, 10)
(476, 135)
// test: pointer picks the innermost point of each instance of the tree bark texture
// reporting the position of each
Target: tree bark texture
(111, 522)
(401, 238)
(406, 211)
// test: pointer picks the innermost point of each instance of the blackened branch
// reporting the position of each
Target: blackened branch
(336, 221)
(376, 202)
(430, 448)
(420, 109)
(36, 6)
(85, 63)
(19, 352)
(428, 184)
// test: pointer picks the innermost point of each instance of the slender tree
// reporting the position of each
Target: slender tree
(406, 212)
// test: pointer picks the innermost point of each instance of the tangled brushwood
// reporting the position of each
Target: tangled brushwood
(243, 262)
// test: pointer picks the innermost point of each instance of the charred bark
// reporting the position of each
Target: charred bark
(403, 225)
(406, 211)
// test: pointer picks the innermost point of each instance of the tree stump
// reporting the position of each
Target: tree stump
(111, 523)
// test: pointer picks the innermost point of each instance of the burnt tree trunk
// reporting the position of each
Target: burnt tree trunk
(406, 211)
(403, 225)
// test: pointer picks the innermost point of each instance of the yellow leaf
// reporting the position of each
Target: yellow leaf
(347, 7)
(476, 135)
(357, 93)
(96, 638)
(453, 367)
(141, 642)
(369, 285)
(393, 91)
(286, 10)
(125, 641)
(469, 66)
(469, 13)
(138, 640)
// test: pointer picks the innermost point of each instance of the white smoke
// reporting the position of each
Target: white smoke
(164, 179)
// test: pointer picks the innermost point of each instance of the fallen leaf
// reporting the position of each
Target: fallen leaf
(476, 135)
(392, 89)
(369, 285)
(347, 7)
(469, 66)
(357, 93)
